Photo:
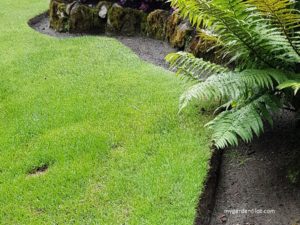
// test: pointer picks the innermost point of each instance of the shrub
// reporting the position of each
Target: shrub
(262, 38)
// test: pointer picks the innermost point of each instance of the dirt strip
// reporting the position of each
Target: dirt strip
(257, 177)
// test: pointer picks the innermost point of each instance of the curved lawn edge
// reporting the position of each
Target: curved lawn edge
(148, 49)
(207, 197)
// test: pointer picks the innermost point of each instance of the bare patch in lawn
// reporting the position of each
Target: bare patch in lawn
(39, 170)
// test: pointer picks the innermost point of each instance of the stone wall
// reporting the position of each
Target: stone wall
(108, 17)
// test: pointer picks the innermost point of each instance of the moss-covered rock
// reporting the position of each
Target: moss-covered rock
(204, 48)
(181, 34)
(75, 17)
(103, 8)
(58, 16)
(107, 16)
(178, 30)
(156, 24)
(69, 7)
(84, 19)
(125, 21)
(173, 21)
(114, 18)
(144, 24)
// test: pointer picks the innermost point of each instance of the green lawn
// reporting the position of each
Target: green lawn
(103, 121)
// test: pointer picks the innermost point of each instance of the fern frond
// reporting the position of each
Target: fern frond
(243, 122)
(188, 66)
(208, 36)
(251, 36)
(235, 7)
(283, 15)
(294, 84)
(232, 85)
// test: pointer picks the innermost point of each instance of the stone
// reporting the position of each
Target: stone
(81, 18)
(115, 15)
(125, 21)
(103, 12)
(72, 16)
(69, 7)
(173, 21)
(204, 47)
(103, 8)
(156, 24)
(85, 19)
(180, 36)
(58, 16)
(107, 16)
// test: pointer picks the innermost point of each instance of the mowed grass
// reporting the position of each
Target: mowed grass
(101, 125)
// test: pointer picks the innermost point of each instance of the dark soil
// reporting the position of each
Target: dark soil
(253, 176)
(39, 170)
(150, 50)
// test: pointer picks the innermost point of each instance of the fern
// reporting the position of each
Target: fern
(294, 84)
(223, 84)
(262, 38)
(243, 36)
(188, 66)
(243, 122)
(283, 15)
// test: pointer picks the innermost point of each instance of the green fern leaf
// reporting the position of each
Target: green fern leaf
(190, 67)
(232, 85)
(283, 15)
(294, 84)
(242, 122)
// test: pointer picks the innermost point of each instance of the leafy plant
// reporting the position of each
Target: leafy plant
(290, 84)
(262, 38)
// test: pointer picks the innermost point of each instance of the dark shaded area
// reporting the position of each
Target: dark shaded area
(146, 5)
(206, 202)
(260, 175)
(39, 169)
